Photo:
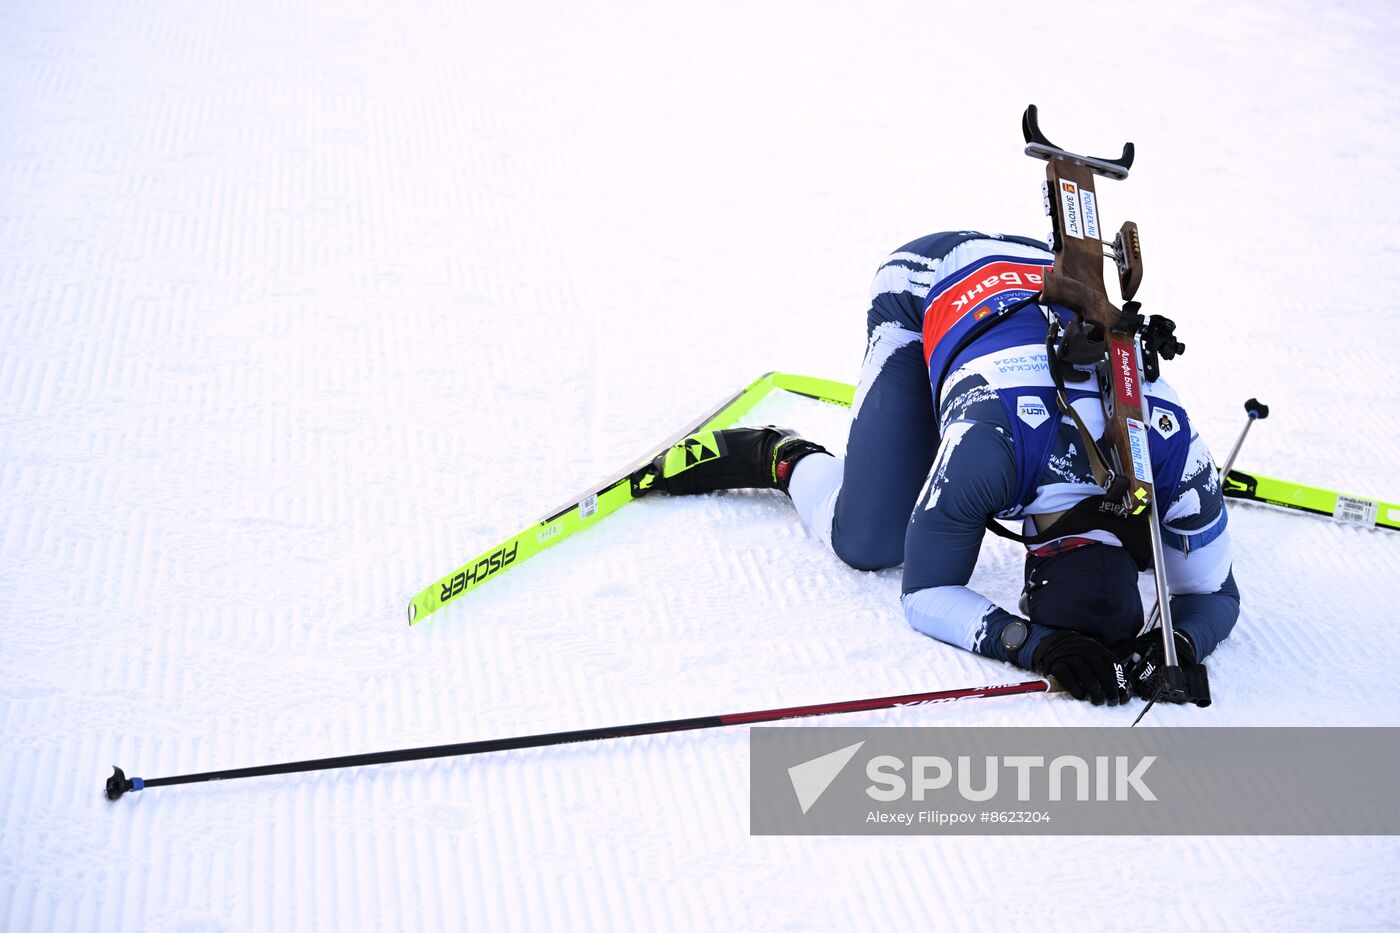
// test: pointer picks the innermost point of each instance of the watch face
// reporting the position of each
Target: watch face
(1014, 635)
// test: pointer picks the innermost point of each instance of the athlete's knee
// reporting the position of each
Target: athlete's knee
(868, 551)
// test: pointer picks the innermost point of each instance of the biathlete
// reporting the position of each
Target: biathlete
(950, 431)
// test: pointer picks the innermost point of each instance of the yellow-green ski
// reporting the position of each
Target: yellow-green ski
(611, 494)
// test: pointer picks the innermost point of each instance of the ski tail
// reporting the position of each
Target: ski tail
(823, 390)
(591, 505)
(1355, 510)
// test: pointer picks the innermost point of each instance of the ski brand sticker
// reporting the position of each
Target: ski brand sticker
(1091, 215)
(1125, 384)
(1031, 410)
(1164, 422)
(1070, 210)
(1356, 511)
(1137, 442)
(478, 572)
(588, 507)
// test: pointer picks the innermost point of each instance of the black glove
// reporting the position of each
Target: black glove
(1083, 666)
(1145, 655)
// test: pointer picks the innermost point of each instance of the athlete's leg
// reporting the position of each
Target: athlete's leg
(860, 505)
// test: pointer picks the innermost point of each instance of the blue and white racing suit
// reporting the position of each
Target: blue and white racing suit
(907, 493)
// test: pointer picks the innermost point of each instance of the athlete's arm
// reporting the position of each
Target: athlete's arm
(973, 477)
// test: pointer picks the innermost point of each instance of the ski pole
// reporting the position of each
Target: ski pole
(119, 783)
(1256, 410)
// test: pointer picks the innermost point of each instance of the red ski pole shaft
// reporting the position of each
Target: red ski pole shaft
(119, 783)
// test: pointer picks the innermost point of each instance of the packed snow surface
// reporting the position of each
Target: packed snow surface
(304, 304)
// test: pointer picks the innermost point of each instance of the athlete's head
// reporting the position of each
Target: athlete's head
(1091, 589)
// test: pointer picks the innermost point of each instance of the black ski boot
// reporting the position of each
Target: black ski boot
(737, 458)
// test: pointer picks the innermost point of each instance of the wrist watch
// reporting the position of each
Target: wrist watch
(1014, 635)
